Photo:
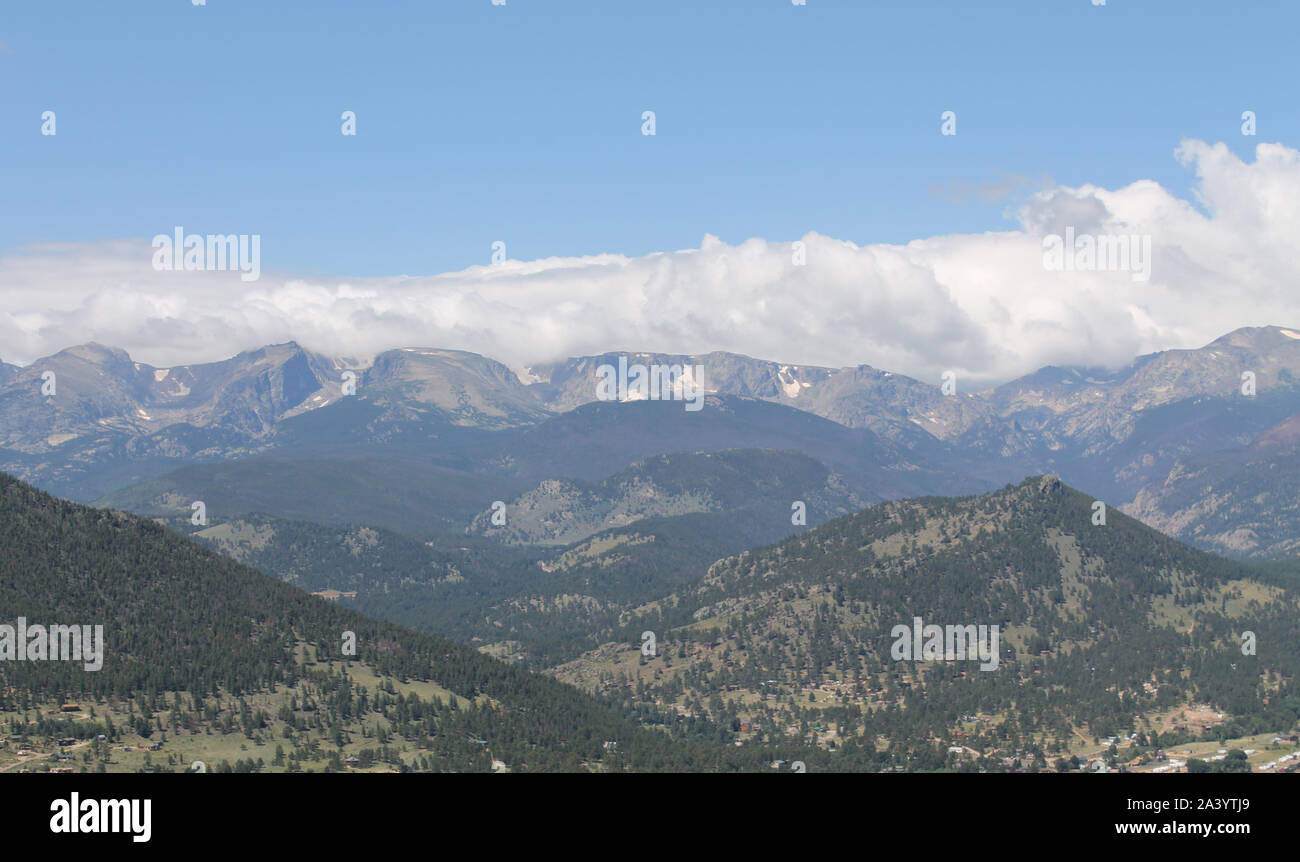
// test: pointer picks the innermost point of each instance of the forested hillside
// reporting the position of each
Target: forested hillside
(1106, 629)
(197, 646)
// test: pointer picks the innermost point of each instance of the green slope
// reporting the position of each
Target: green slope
(196, 637)
(1104, 629)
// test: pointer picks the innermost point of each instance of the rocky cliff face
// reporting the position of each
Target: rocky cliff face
(95, 390)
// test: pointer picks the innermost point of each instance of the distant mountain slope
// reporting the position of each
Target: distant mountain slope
(393, 489)
(748, 484)
(1115, 432)
(1240, 502)
(1109, 430)
(98, 390)
(1070, 403)
(893, 406)
(538, 605)
(111, 421)
(115, 423)
(597, 440)
(448, 481)
(467, 388)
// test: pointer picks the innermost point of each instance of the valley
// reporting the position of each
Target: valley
(770, 542)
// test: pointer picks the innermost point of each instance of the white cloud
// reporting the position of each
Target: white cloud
(981, 304)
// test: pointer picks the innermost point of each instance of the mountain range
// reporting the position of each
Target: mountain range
(1104, 634)
(1178, 438)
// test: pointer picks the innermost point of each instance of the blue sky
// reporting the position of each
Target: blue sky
(523, 122)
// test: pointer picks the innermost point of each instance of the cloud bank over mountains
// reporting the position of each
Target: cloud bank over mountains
(983, 305)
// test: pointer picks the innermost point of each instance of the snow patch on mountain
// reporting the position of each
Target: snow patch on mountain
(791, 387)
(528, 377)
